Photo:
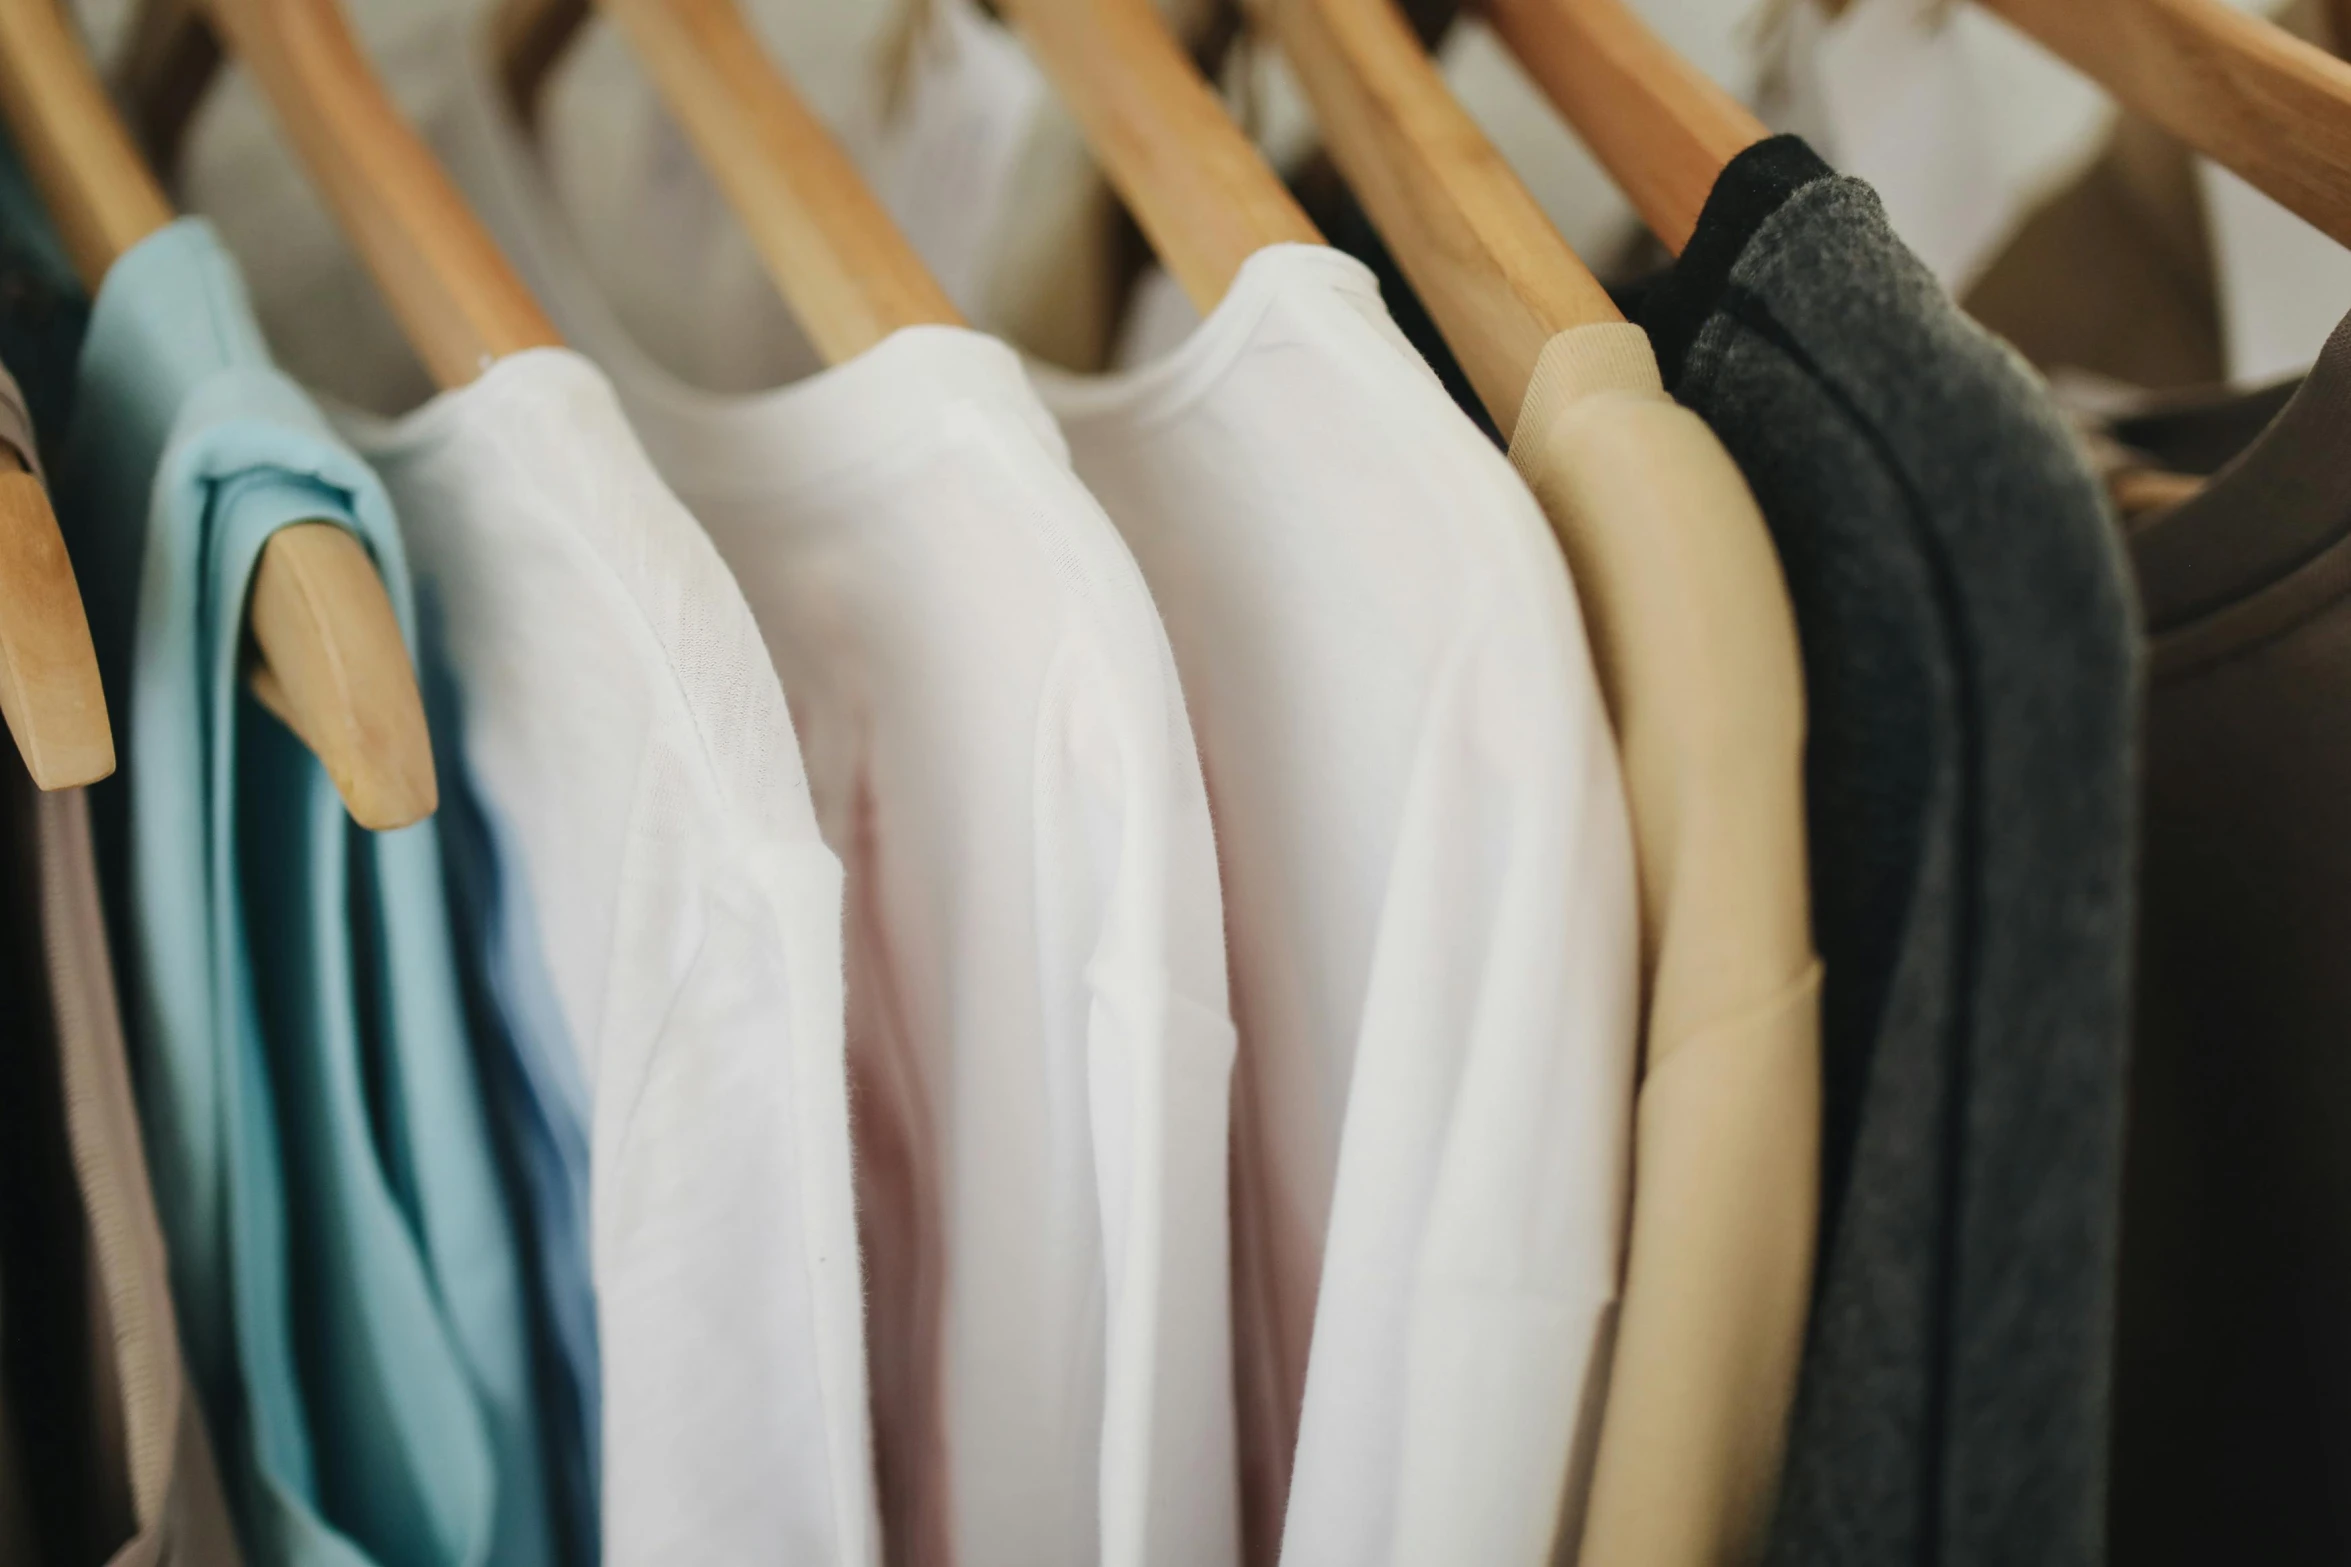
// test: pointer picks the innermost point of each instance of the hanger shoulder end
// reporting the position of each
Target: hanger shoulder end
(334, 668)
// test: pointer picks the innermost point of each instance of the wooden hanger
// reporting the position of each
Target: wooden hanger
(331, 661)
(1494, 274)
(50, 689)
(1202, 192)
(849, 275)
(2244, 92)
(49, 685)
(1661, 127)
(456, 299)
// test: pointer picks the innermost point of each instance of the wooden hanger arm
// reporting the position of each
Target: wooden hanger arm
(2243, 91)
(96, 187)
(528, 39)
(331, 665)
(1661, 127)
(850, 276)
(1492, 271)
(319, 611)
(1202, 192)
(49, 686)
(459, 303)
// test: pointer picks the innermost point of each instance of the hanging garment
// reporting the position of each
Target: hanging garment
(1696, 647)
(63, 1493)
(1353, 595)
(18, 1527)
(120, 1470)
(2112, 274)
(2232, 1381)
(1429, 910)
(1970, 690)
(114, 1463)
(665, 949)
(538, 1101)
(666, 945)
(341, 1259)
(1039, 1036)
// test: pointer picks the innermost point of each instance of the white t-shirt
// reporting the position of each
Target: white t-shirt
(625, 737)
(1430, 911)
(1039, 1038)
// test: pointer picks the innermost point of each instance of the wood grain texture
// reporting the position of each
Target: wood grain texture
(839, 259)
(459, 303)
(345, 684)
(1661, 128)
(49, 686)
(322, 626)
(1495, 275)
(1202, 192)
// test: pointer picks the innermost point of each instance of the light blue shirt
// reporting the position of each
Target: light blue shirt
(346, 1272)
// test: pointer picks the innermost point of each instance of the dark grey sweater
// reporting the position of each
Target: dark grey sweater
(1970, 668)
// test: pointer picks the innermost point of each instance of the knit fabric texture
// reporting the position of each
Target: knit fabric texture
(1968, 640)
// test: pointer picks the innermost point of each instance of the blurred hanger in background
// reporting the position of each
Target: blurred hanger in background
(849, 275)
(1493, 273)
(457, 301)
(1201, 191)
(1661, 127)
(1496, 277)
(49, 685)
(331, 664)
(2240, 90)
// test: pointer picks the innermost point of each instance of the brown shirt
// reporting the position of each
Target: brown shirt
(2232, 1411)
(1695, 645)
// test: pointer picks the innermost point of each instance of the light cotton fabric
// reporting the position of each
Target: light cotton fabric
(1429, 909)
(622, 735)
(1696, 646)
(1039, 1040)
(344, 1269)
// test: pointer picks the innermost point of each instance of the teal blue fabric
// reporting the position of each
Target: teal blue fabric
(344, 1266)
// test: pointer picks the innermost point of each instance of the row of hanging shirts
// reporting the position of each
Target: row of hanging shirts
(1503, 287)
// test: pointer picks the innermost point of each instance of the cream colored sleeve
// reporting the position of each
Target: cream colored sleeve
(1696, 647)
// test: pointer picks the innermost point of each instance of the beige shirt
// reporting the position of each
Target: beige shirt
(1696, 648)
(155, 1436)
(147, 1487)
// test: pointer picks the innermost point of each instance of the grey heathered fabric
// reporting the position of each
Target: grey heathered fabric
(1971, 677)
(2233, 1366)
